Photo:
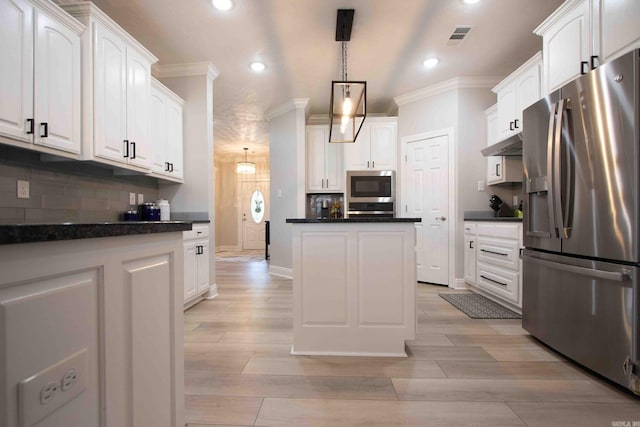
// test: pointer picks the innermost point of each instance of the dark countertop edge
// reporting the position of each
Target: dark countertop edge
(30, 233)
(349, 220)
(495, 219)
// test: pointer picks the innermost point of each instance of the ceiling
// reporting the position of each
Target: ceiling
(296, 40)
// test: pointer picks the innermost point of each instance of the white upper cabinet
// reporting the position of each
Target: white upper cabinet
(500, 169)
(582, 34)
(515, 93)
(566, 43)
(40, 106)
(618, 27)
(324, 162)
(166, 133)
(116, 84)
(376, 146)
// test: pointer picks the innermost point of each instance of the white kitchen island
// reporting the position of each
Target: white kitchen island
(354, 286)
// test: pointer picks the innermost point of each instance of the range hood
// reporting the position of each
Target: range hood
(511, 146)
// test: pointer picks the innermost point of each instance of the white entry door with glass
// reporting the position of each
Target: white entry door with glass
(255, 211)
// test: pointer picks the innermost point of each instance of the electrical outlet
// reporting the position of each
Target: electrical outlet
(69, 379)
(132, 198)
(140, 198)
(515, 200)
(46, 391)
(481, 186)
(23, 189)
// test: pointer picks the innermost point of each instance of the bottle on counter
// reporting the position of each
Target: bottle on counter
(165, 209)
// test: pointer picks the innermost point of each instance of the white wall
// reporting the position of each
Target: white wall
(287, 163)
(197, 194)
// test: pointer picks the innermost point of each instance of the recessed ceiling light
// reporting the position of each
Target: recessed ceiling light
(470, 1)
(430, 63)
(222, 4)
(257, 66)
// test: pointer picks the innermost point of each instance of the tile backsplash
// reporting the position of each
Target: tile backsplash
(65, 191)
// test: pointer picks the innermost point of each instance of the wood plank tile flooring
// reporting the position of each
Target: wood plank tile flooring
(461, 371)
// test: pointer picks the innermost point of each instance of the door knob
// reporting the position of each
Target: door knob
(441, 218)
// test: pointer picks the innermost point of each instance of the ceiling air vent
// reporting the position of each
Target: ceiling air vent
(460, 32)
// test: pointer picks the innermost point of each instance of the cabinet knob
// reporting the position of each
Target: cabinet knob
(441, 218)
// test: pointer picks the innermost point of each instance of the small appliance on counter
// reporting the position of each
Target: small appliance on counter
(130, 215)
(500, 208)
(149, 212)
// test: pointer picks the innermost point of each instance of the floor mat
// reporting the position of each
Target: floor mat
(479, 307)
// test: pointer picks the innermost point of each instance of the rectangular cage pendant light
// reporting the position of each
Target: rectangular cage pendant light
(348, 110)
(348, 98)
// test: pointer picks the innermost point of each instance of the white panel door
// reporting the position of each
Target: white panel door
(175, 139)
(110, 92)
(428, 198)
(203, 266)
(16, 71)
(383, 146)
(565, 46)
(358, 154)
(190, 270)
(316, 139)
(507, 111)
(253, 226)
(138, 85)
(619, 30)
(57, 85)
(158, 125)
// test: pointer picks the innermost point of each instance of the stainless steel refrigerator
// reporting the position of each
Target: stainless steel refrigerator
(581, 155)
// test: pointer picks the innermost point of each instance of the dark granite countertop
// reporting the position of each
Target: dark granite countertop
(348, 220)
(29, 233)
(488, 216)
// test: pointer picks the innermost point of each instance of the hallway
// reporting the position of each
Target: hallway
(461, 371)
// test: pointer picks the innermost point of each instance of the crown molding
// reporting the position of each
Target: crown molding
(86, 12)
(447, 85)
(292, 104)
(187, 69)
(558, 14)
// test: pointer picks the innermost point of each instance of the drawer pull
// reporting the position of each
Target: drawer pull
(492, 252)
(494, 281)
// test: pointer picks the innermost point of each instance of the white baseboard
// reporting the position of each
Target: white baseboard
(281, 271)
(228, 248)
(213, 292)
(459, 284)
(346, 354)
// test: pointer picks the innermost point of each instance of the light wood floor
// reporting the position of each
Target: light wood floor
(461, 371)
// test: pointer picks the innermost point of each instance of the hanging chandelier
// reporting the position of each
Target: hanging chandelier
(348, 98)
(246, 167)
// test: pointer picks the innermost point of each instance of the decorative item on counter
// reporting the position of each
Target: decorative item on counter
(130, 215)
(518, 211)
(149, 212)
(165, 209)
(501, 208)
(335, 211)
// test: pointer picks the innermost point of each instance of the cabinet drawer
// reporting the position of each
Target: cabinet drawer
(499, 282)
(197, 232)
(505, 231)
(500, 252)
(470, 228)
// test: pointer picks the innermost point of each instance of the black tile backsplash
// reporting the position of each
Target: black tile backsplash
(65, 191)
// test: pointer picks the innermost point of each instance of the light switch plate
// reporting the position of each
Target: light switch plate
(30, 406)
(140, 198)
(481, 186)
(132, 198)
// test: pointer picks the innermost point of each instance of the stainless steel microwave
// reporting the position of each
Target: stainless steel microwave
(371, 186)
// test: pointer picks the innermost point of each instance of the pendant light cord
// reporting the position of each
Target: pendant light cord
(344, 61)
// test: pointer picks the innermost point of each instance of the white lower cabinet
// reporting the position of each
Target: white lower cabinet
(492, 259)
(196, 263)
(110, 311)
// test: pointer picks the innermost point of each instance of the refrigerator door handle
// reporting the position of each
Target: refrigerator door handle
(561, 215)
(553, 230)
(599, 274)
